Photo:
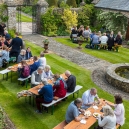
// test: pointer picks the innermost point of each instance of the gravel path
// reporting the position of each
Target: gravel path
(95, 65)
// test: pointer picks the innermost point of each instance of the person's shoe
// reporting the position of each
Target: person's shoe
(39, 112)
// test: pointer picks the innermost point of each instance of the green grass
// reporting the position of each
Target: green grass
(24, 18)
(22, 114)
(114, 57)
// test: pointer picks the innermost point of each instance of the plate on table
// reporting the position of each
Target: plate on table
(96, 115)
(87, 113)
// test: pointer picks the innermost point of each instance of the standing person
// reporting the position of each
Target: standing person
(74, 110)
(1, 29)
(119, 109)
(107, 120)
(16, 45)
(110, 42)
(28, 53)
(118, 42)
(46, 93)
(42, 60)
(88, 98)
(71, 81)
(35, 65)
(59, 87)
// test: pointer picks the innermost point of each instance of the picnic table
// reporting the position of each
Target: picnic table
(91, 120)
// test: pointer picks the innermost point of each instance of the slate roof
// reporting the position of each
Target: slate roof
(119, 5)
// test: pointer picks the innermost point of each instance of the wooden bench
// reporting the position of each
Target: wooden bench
(24, 79)
(118, 126)
(6, 71)
(77, 88)
(60, 125)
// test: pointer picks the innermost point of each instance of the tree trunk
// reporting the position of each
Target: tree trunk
(127, 32)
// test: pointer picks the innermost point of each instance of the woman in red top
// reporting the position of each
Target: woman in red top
(59, 87)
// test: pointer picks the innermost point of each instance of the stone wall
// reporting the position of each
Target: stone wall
(12, 18)
(116, 80)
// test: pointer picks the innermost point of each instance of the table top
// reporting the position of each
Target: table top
(15, 67)
(89, 121)
(35, 89)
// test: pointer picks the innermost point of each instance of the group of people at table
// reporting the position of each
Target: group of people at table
(105, 40)
(112, 113)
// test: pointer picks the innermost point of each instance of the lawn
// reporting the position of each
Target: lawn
(24, 18)
(22, 114)
(114, 57)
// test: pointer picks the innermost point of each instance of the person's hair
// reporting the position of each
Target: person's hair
(16, 33)
(35, 58)
(4, 47)
(93, 90)
(104, 33)
(108, 111)
(22, 51)
(47, 67)
(28, 48)
(40, 68)
(118, 98)
(67, 72)
(44, 81)
(56, 76)
(41, 54)
(77, 101)
(23, 62)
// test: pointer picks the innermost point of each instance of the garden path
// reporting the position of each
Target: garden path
(95, 65)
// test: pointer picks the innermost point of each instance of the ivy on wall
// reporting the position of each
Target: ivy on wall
(3, 13)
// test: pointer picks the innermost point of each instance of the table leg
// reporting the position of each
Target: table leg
(52, 109)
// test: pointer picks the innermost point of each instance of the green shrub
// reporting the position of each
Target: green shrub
(52, 3)
(12, 33)
(72, 3)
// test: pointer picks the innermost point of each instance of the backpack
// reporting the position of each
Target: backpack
(26, 71)
(88, 46)
(4, 62)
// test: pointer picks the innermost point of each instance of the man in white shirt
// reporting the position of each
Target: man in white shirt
(42, 60)
(88, 98)
(36, 77)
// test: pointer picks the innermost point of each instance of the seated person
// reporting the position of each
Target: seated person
(2, 42)
(71, 81)
(35, 65)
(4, 54)
(42, 60)
(21, 56)
(88, 98)
(73, 110)
(24, 69)
(47, 73)
(73, 32)
(119, 109)
(46, 93)
(107, 120)
(28, 53)
(59, 87)
(36, 77)
(104, 40)
(86, 34)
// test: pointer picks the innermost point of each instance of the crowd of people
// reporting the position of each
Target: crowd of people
(106, 40)
(112, 114)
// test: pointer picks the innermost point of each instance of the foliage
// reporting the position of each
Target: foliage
(46, 41)
(12, 33)
(86, 1)
(63, 5)
(72, 3)
(112, 21)
(52, 3)
(3, 13)
(69, 18)
(85, 14)
(27, 10)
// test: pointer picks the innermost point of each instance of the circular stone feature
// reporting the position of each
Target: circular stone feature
(117, 75)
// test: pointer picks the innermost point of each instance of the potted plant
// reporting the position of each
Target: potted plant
(46, 42)
(80, 41)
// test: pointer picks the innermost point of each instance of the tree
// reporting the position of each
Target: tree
(72, 3)
(52, 3)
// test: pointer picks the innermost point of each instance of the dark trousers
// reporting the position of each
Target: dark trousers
(14, 54)
(39, 101)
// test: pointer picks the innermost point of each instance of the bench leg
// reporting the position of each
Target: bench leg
(52, 109)
(6, 76)
(26, 82)
(3, 76)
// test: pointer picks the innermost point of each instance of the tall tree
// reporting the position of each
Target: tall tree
(52, 3)
(72, 3)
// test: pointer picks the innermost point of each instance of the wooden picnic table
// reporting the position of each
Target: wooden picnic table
(90, 120)
(35, 89)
